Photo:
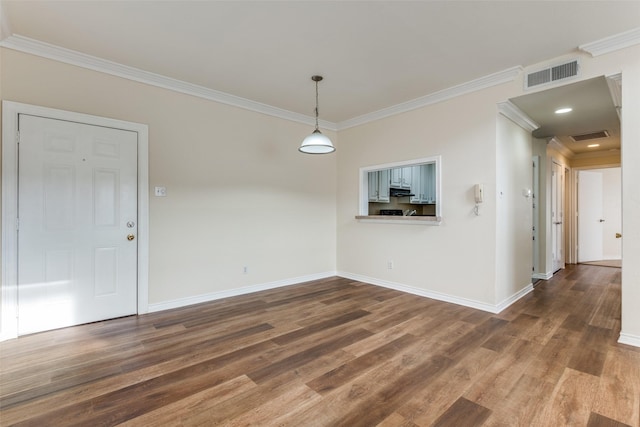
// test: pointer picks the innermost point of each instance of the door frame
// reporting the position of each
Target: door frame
(561, 205)
(10, 113)
(574, 204)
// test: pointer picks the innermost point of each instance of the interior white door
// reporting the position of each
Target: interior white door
(590, 216)
(557, 216)
(77, 204)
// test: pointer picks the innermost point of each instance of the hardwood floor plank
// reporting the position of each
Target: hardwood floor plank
(273, 390)
(319, 327)
(493, 386)
(570, 402)
(463, 413)
(522, 403)
(334, 352)
(551, 361)
(277, 368)
(618, 395)
(394, 393)
(174, 413)
(432, 400)
(475, 337)
(597, 420)
(396, 420)
(344, 373)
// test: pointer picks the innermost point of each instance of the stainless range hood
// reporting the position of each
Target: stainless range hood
(400, 192)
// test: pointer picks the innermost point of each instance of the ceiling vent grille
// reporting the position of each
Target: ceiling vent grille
(552, 74)
(589, 136)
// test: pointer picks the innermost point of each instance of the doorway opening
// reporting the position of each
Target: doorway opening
(599, 213)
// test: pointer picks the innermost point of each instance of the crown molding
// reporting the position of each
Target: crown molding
(561, 148)
(495, 79)
(72, 57)
(615, 88)
(612, 43)
(516, 115)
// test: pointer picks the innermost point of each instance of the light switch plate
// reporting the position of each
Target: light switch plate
(161, 192)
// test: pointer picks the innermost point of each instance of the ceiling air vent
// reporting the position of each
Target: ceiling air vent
(591, 135)
(551, 74)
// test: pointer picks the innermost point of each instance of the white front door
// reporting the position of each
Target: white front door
(77, 209)
(557, 216)
(590, 216)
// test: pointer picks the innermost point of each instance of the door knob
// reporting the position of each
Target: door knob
(602, 220)
(130, 237)
(618, 235)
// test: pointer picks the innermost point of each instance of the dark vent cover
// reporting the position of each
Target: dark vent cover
(591, 135)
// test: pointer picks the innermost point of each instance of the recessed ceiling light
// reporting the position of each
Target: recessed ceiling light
(564, 110)
(593, 145)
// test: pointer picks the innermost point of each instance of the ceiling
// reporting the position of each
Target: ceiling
(593, 110)
(373, 54)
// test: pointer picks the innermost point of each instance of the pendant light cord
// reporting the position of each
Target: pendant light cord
(317, 105)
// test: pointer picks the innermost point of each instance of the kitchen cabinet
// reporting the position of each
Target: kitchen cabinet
(379, 186)
(424, 184)
(401, 177)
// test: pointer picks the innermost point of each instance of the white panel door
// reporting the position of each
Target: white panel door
(557, 217)
(77, 204)
(590, 218)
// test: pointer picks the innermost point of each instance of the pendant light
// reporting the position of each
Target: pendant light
(317, 143)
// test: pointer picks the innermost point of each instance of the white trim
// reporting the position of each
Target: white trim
(411, 220)
(50, 51)
(544, 276)
(10, 112)
(495, 79)
(68, 56)
(505, 303)
(198, 299)
(614, 82)
(560, 148)
(612, 43)
(629, 339)
(363, 206)
(516, 115)
(491, 308)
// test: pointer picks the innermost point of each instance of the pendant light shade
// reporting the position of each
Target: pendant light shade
(317, 143)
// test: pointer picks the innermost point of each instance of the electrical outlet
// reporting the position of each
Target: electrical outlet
(390, 265)
(245, 270)
(161, 191)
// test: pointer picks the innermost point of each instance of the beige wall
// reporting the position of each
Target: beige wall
(456, 258)
(514, 216)
(238, 191)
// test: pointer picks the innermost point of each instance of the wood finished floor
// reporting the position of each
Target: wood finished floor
(336, 352)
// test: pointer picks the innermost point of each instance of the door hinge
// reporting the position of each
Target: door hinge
(18, 137)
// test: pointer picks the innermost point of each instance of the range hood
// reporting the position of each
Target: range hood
(400, 192)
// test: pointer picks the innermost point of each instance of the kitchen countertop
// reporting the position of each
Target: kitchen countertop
(397, 219)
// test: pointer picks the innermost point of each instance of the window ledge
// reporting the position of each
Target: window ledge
(392, 219)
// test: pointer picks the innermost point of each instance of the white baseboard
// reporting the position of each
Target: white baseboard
(479, 305)
(197, 299)
(629, 339)
(544, 276)
(513, 298)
